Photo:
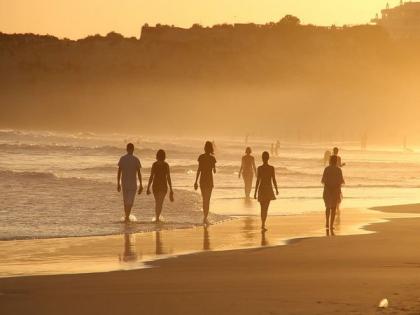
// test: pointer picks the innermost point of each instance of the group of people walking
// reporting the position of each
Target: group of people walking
(129, 169)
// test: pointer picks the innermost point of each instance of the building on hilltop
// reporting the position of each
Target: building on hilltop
(401, 22)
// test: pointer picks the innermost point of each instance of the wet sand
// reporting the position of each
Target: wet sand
(317, 275)
(135, 251)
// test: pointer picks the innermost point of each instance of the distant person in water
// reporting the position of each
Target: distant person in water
(339, 162)
(266, 178)
(327, 156)
(160, 179)
(128, 169)
(206, 168)
(332, 180)
(214, 146)
(277, 148)
(363, 142)
(247, 171)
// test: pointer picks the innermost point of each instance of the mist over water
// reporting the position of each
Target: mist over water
(64, 184)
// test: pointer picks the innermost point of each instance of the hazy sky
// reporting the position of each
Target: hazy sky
(79, 18)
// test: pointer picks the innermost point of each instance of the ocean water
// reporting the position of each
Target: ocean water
(60, 184)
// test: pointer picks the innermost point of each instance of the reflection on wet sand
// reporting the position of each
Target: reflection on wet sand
(121, 252)
(158, 244)
(129, 253)
(329, 232)
(206, 238)
(248, 204)
(248, 230)
(338, 219)
(264, 241)
(159, 247)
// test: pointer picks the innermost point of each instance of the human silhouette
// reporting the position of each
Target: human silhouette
(214, 146)
(333, 180)
(363, 141)
(327, 156)
(277, 148)
(247, 171)
(405, 147)
(339, 162)
(340, 165)
(206, 168)
(266, 178)
(160, 178)
(128, 167)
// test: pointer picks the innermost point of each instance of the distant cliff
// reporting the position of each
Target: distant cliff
(297, 73)
(245, 50)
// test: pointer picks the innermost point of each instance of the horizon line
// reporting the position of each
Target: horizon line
(185, 28)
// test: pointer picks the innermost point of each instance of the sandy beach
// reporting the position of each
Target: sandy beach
(317, 275)
(209, 157)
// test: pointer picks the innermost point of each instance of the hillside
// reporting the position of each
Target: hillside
(279, 78)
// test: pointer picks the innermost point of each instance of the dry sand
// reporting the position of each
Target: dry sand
(321, 275)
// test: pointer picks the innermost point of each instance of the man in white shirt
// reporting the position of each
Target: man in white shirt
(128, 169)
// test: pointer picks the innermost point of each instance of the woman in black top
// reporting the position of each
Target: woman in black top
(266, 178)
(160, 176)
(206, 168)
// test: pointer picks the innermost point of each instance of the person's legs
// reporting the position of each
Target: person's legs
(338, 211)
(333, 211)
(264, 212)
(159, 199)
(248, 185)
(327, 217)
(127, 212)
(245, 185)
(206, 194)
(128, 198)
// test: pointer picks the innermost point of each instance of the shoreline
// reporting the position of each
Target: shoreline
(131, 251)
(348, 274)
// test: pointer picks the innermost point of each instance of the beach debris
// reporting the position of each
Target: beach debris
(383, 303)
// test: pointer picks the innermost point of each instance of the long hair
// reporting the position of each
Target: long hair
(208, 148)
(161, 155)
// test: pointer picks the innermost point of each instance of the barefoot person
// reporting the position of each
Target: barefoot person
(206, 168)
(128, 168)
(266, 178)
(160, 176)
(340, 164)
(247, 171)
(335, 153)
(332, 180)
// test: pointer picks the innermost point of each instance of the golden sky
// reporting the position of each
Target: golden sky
(79, 18)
